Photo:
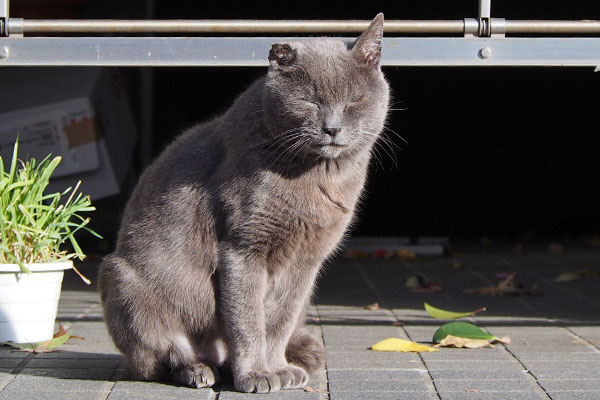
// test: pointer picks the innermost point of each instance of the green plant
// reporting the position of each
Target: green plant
(34, 225)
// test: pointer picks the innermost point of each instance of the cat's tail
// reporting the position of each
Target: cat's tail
(306, 351)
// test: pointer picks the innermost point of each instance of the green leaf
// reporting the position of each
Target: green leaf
(463, 330)
(444, 314)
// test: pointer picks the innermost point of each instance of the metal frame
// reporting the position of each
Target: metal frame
(478, 41)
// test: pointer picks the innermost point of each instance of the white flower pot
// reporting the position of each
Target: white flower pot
(29, 302)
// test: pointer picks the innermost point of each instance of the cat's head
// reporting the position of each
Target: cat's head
(325, 100)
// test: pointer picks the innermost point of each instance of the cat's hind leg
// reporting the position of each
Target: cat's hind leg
(147, 331)
(305, 351)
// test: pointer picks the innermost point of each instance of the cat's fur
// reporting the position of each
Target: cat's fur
(225, 233)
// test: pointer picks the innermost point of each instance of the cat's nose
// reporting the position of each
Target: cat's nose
(332, 130)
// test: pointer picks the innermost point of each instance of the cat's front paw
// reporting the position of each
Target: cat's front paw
(292, 377)
(257, 382)
(198, 375)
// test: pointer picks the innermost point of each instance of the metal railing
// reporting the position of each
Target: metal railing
(482, 41)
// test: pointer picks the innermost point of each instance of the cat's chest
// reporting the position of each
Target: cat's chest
(298, 221)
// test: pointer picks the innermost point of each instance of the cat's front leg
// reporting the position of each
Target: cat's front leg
(284, 311)
(242, 281)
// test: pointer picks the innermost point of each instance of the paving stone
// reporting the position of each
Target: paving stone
(521, 395)
(10, 362)
(482, 385)
(384, 396)
(452, 354)
(552, 385)
(62, 380)
(368, 359)
(474, 374)
(195, 394)
(575, 394)
(110, 363)
(53, 395)
(565, 369)
(378, 375)
(296, 394)
(558, 356)
(361, 386)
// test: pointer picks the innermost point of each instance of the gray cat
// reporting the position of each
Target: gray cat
(225, 233)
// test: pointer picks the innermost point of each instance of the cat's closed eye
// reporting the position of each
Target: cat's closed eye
(355, 102)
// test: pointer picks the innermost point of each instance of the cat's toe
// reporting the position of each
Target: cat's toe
(292, 377)
(198, 376)
(258, 382)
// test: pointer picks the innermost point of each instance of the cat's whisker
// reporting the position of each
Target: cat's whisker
(395, 133)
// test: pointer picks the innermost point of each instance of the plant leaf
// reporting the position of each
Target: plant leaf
(444, 314)
(461, 329)
(401, 345)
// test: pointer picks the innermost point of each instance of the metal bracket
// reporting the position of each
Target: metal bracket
(485, 26)
(4, 17)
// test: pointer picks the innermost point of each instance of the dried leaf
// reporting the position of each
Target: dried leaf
(353, 254)
(372, 306)
(506, 287)
(504, 340)
(378, 254)
(417, 284)
(414, 281)
(309, 389)
(47, 346)
(457, 265)
(460, 342)
(405, 254)
(556, 248)
(400, 345)
(567, 277)
(444, 314)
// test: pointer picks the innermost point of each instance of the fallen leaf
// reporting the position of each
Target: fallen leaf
(353, 254)
(417, 284)
(47, 346)
(460, 342)
(309, 389)
(414, 281)
(405, 254)
(378, 254)
(444, 314)
(567, 277)
(463, 330)
(401, 345)
(504, 340)
(372, 306)
(556, 248)
(506, 287)
(592, 240)
(457, 265)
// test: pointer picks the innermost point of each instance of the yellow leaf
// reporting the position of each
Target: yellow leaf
(395, 344)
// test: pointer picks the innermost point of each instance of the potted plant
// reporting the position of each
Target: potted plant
(34, 228)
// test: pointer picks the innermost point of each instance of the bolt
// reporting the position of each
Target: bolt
(486, 52)
(4, 52)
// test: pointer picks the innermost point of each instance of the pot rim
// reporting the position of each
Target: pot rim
(38, 267)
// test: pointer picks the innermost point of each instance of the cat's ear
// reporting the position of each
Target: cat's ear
(282, 55)
(367, 48)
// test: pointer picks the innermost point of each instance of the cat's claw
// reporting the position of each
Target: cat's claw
(258, 382)
(198, 376)
(292, 377)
